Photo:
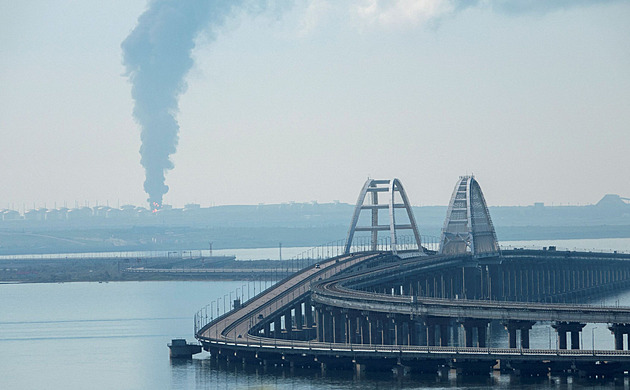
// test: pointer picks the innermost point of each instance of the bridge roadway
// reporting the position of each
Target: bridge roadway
(229, 335)
(335, 294)
(238, 322)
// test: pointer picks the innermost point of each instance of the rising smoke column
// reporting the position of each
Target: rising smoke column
(157, 57)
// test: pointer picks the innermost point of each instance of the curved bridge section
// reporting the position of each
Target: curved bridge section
(355, 310)
(426, 312)
(271, 313)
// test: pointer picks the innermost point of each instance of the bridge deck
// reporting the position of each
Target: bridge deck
(240, 321)
(335, 293)
(231, 331)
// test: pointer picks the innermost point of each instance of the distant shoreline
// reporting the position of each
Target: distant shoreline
(168, 238)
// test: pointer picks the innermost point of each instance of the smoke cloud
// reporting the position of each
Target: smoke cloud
(397, 12)
(157, 57)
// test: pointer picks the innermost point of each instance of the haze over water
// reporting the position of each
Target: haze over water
(114, 335)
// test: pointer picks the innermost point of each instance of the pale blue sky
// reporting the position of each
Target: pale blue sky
(303, 104)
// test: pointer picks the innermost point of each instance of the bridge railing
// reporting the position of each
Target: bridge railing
(221, 306)
(308, 258)
(562, 249)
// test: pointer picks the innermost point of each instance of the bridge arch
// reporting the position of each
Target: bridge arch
(374, 187)
(468, 226)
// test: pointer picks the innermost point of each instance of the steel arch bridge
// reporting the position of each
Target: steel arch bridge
(468, 226)
(391, 187)
(379, 310)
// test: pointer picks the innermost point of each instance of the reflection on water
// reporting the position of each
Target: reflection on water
(208, 373)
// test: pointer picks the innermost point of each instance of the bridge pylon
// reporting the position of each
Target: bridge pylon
(468, 226)
(391, 188)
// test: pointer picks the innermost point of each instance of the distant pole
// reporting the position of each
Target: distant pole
(280, 250)
(210, 248)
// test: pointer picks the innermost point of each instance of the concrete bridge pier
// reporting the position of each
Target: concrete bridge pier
(351, 329)
(308, 313)
(618, 331)
(523, 327)
(574, 328)
(387, 322)
(339, 326)
(471, 282)
(481, 327)
(277, 327)
(319, 324)
(288, 323)
(267, 329)
(327, 326)
(298, 317)
(363, 328)
(431, 323)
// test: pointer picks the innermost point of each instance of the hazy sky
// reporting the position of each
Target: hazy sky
(307, 99)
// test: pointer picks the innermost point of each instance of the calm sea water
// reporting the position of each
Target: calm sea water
(114, 336)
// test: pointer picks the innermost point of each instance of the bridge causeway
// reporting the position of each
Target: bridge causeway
(429, 311)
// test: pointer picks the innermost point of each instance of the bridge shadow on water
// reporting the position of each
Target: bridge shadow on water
(207, 373)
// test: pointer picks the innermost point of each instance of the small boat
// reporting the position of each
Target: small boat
(180, 349)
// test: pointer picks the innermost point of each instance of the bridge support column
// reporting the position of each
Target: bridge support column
(288, 323)
(364, 324)
(574, 328)
(562, 339)
(619, 340)
(277, 327)
(413, 332)
(468, 332)
(351, 329)
(430, 334)
(339, 325)
(372, 329)
(575, 339)
(469, 326)
(387, 330)
(511, 337)
(327, 328)
(525, 337)
(443, 335)
(319, 316)
(618, 330)
(524, 327)
(308, 313)
(482, 333)
(442, 323)
(377, 330)
(298, 316)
